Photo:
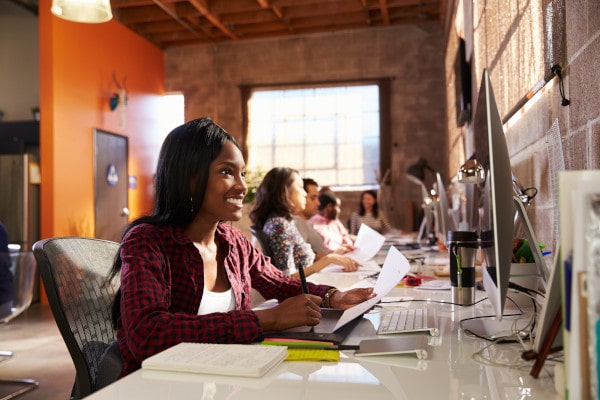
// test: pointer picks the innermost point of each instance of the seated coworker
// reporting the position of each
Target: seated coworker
(279, 196)
(301, 217)
(186, 276)
(326, 222)
(308, 233)
(368, 213)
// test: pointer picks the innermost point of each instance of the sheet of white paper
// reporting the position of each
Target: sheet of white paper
(367, 244)
(368, 268)
(395, 267)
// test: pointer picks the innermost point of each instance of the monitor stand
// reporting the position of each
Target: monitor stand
(490, 328)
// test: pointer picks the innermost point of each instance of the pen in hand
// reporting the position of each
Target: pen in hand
(303, 280)
(304, 285)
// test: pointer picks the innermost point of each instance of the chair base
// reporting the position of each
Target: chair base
(24, 386)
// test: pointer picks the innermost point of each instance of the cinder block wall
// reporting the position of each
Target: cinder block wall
(519, 41)
(412, 56)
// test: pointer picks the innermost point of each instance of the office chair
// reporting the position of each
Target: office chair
(23, 268)
(262, 241)
(74, 272)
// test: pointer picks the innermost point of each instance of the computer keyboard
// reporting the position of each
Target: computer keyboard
(407, 321)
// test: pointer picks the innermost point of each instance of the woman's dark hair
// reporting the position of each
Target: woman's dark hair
(272, 196)
(326, 198)
(361, 208)
(180, 180)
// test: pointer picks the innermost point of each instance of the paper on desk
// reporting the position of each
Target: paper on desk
(367, 244)
(367, 268)
(395, 267)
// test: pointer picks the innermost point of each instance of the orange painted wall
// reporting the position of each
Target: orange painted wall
(77, 62)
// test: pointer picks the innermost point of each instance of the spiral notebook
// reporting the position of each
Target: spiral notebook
(217, 359)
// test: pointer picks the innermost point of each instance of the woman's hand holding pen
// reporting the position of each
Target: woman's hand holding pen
(304, 309)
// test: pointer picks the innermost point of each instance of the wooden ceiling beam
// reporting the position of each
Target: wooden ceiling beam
(201, 6)
(219, 20)
(170, 9)
(384, 12)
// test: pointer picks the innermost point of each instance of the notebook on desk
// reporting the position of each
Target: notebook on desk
(336, 325)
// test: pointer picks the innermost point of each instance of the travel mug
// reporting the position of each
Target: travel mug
(462, 249)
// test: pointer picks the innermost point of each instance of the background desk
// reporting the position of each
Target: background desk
(449, 372)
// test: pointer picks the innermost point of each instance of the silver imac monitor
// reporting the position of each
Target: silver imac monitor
(497, 223)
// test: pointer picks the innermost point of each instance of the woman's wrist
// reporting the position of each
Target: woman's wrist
(328, 297)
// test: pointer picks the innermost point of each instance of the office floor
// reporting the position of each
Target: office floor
(39, 353)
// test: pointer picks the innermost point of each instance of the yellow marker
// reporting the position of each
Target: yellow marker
(312, 355)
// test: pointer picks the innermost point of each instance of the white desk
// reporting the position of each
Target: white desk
(448, 373)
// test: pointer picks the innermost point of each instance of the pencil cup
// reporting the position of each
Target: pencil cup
(462, 249)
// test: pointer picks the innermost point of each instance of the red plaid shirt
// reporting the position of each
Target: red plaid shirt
(162, 281)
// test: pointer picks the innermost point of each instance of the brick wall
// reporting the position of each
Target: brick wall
(209, 77)
(519, 41)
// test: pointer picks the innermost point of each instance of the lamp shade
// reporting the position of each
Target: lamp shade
(87, 11)
(471, 172)
(416, 172)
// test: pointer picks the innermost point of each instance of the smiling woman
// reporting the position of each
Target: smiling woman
(186, 276)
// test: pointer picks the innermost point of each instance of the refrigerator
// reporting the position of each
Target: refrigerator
(20, 198)
(20, 201)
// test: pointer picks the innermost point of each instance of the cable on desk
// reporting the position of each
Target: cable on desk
(480, 357)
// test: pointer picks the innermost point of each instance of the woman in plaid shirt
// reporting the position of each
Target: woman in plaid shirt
(186, 275)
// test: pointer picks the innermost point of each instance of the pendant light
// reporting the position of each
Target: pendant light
(87, 11)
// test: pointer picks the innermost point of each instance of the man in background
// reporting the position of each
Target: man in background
(334, 234)
(306, 230)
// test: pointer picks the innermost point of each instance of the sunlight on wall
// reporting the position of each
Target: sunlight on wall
(173, 112)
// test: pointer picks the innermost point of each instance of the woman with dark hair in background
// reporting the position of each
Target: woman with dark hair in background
(279, 197)
(368, 213)
(186, 275)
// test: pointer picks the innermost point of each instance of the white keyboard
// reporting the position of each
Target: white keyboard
(407, 321)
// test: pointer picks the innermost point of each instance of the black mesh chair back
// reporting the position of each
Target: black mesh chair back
(74, 273)
(262, 241)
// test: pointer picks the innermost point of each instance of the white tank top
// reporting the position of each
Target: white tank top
(213, 302)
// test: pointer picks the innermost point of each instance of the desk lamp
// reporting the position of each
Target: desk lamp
(416, 174)
(471, 173)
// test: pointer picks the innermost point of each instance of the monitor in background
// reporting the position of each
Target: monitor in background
(497, 222)
(444, 222)
(462, 72)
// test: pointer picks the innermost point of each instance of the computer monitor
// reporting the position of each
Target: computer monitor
(444, 222)
(497, 222)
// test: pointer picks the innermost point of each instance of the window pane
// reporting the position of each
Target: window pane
(328, 133)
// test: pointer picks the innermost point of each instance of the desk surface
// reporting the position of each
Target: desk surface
(450, 372)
